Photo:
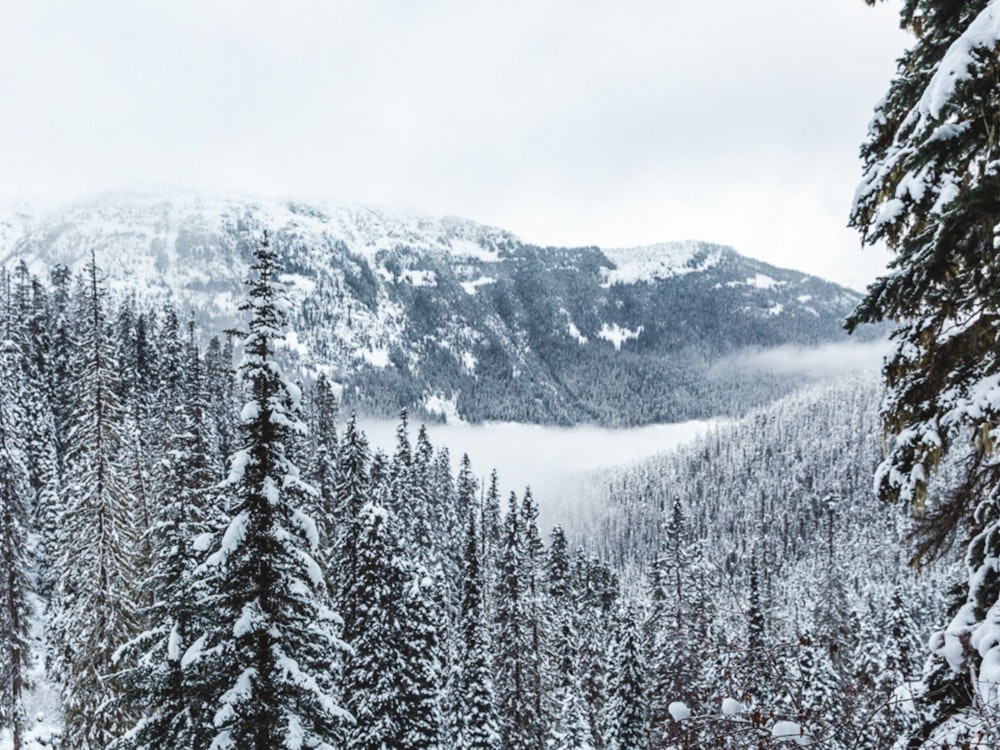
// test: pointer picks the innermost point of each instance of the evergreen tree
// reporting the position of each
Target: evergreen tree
(96, 592)
(627, 705)
(531, 573)
(479, 729)
(352, 491)
(265, 662)
(420, 680)
(15, 558)
(516, 708)
(929, 193)
(156, 670)
(674, 656)
(372, 629)
(492, 541)
(820, 698)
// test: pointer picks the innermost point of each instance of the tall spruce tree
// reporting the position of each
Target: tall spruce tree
(519, 719)
(155, 666)
(96, 597)
(15, 557)
(628, 701)
(929, 193)
(265, 661)
(478, 725)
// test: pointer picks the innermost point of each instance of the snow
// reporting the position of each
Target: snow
(762, 281)
(662, 261)
(233, 537)
(679, 711)
(573, 330)
(375, 357)
(41, 701)
(292, 342)
(446, 407)
(469, 362)
(418, 277)
(470, 287)
(618, 335)
(790, 730)
(731, 707)
(469, 249)
(982, 33)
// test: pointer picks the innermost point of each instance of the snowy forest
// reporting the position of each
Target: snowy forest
(199, 548)
(204, 556)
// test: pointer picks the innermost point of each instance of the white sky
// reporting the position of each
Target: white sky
(569, 122)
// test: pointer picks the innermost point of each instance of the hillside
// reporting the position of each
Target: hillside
(449, 317)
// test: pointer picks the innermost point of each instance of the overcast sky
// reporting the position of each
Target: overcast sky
(568, 122)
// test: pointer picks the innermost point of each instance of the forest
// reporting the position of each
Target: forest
(208, 556)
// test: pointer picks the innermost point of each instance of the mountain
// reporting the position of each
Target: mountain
(450, 317)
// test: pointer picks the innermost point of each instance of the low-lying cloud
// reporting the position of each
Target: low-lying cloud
(824, 361)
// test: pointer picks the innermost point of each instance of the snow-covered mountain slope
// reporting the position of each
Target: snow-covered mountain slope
(409, 310)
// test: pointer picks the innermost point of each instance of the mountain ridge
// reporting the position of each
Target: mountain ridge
(407, 310)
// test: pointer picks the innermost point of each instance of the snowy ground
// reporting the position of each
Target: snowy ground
(42, 702)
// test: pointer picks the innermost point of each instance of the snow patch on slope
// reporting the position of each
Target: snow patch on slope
(618, 335)
(661, 261)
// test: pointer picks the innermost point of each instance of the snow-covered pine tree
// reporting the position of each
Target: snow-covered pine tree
(16, 585)
(219, 382)
(265, 660)
(154, 665)
(820, 698)
(515, 705)
(492, 528)
(322, 465)
(562, 643)
(929, 192)
(351, 492)
(569, 718)
(596, 588)
(531, 571)
(477, 719)
(674, 658)
(756, 673)
(372, 629)
(96, 598)
(421, 722)
(627, 709)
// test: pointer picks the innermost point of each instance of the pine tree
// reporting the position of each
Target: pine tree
(421, 721)
(627, 705)
(479, 729)
(264, 665)
(15, 558)
(372, 629)
(673, 652)
(492, 526)
(929, 192)
(519, 719)
(96, 591)
(352, 490)
(322, 470)
(821, 696)
(531, 572)
(156, 669)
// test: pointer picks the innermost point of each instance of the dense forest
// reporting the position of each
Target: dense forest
(208, 557)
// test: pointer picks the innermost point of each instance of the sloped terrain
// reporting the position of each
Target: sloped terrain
(448, 316)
